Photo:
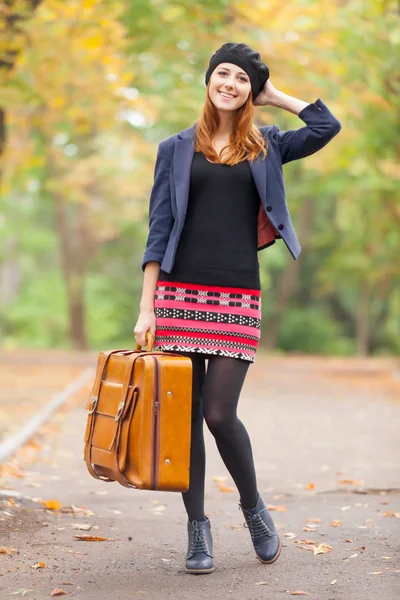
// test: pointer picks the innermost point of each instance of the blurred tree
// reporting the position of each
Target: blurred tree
(13, 13)
(96, 83)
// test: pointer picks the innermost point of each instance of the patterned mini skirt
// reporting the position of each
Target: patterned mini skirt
(216, 320)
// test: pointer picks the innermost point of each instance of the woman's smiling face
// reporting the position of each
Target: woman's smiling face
(229, 87)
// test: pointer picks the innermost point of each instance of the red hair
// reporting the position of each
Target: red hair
(246, 140)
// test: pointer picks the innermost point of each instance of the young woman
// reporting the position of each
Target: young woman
(218, 198)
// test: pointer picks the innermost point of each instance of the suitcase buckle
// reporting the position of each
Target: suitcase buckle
(121, 407)
(93, 405)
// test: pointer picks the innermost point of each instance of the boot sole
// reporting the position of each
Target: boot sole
(269, 562)
(200, 571)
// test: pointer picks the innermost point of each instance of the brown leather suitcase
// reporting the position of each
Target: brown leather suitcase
(138, 428)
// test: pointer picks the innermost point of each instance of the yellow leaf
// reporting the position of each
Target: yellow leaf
(306, 546)
(335, 523)
(93, 43)
(322, 549)
(225, 488)
(314, 520)
(7, 550)
(52, 504)
(310, 486)
(88, 4)
(58, 592)
(222, 488)
(57, 102)
(39, 565)
(280, 508)
(351, 482)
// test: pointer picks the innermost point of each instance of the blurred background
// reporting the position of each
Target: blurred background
(88, 88)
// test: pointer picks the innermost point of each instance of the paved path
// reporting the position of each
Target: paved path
(312, 422)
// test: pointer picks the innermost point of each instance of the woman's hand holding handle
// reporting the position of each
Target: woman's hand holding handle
(146, 322)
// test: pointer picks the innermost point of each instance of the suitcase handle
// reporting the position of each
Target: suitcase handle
(150, 342)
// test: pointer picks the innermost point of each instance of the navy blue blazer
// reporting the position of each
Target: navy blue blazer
(169, 195)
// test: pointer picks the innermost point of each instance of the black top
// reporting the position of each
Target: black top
(218, 244)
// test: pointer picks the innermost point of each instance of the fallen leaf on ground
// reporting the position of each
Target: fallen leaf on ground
(307, 528)
(376, 573)
(225, 488)
(21, 592)
(322, 549)
(354, 555)
(58, 592)
(235, 527)
(91, 538)
(335, 523)
(387, 557)
(348, 541)
(38, 565)
(305, 541)
(306, 547)
(299, 593)
(290, 535)
(345, 508)
(219, 480)
(310, 486)
(351, 482)
(52, 504)
(314, 520)
(81, 526)
(77, 510)
(333, 581)
(262, 583)
(280, 508)
(7, 550)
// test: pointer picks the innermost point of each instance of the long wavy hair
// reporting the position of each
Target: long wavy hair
(246, 141)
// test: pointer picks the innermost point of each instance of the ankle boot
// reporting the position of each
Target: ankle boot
(266, 541)
(199, 558)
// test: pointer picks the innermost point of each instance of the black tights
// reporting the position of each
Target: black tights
(215, 398)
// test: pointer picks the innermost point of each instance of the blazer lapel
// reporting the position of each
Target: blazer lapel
(259, 171)
(184, 152)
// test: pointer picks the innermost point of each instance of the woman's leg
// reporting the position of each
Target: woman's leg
(222, 386)
(194, 498)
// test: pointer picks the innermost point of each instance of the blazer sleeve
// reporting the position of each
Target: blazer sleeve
(161, 219)
(321, 127)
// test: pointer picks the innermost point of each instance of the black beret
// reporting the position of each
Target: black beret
(245, 57)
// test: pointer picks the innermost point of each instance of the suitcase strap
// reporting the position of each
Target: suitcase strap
(125, 403)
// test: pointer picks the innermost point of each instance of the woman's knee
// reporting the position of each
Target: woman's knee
(218, 423)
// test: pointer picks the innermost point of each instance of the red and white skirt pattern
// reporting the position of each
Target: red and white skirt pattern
(215, 320)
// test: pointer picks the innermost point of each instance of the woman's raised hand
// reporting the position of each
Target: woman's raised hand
(267, 95)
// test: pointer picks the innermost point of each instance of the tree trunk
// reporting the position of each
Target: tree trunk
(10, 274)
(362, 323)
(288, 282)
(73, 267)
